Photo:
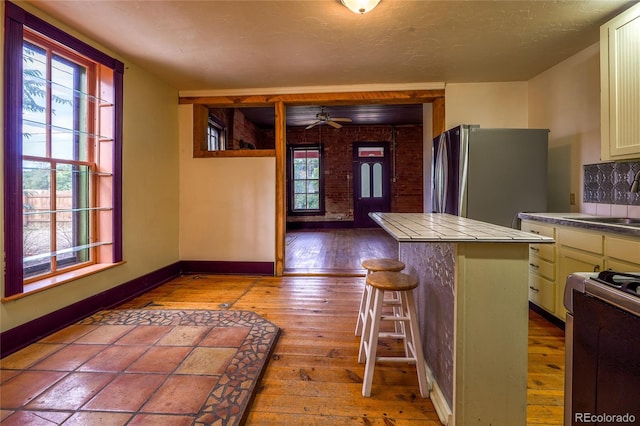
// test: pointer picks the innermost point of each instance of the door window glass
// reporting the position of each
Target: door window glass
(365, 182)
(377, 180)
(370, 151)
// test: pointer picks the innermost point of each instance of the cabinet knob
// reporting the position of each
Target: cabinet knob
(534, 289)
(533, 265)
(536, 249)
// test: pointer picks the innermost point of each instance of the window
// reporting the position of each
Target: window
(215, 135)
(62, 182)
(306, 193)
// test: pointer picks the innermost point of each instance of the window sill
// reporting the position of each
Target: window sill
(50, 282)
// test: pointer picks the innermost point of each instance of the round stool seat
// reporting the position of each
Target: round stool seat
(392, 281)
(382, 264)
(373, 266)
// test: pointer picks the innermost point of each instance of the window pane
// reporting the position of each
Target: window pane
(313, 168)
(299, 187)
(313, 201)
(36, 223)
(365, 185)
(313, 187)
(300, 169)
(377, 151)
(66, 85)
(73, 220)
(300, 201)
(34, 100)
(377, 180)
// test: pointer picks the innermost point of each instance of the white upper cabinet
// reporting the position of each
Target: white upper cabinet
(620, 86)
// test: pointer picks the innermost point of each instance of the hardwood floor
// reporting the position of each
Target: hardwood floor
(335, 251)
(313, 377)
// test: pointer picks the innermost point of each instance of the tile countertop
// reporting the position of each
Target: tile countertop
(440, 227)
(576, 220)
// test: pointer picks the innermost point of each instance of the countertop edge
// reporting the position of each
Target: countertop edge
(573, 220)
(428, 233)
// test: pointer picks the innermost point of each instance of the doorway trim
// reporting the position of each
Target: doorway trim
(279, 102)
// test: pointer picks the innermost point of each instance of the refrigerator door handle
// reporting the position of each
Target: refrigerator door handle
(439, 179)
(463, 174)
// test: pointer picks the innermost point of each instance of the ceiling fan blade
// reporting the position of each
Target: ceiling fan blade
(343, 120)
(333, 124)
(314, 124)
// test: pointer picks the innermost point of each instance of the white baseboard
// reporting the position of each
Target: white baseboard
(438, 400)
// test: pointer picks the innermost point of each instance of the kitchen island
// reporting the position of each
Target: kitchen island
(472, 304)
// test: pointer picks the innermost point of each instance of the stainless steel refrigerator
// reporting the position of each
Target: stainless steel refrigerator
(490, 174)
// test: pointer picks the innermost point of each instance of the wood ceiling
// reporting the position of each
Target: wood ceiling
(298, 116)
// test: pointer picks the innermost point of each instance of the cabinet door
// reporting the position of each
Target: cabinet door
(620, 86)
(571, 261)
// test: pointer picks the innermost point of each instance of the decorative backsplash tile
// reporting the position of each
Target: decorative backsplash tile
(609, 183)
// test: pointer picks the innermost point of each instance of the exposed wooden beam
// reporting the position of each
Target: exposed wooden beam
(347, 98)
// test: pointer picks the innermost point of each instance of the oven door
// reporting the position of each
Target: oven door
(606, 363)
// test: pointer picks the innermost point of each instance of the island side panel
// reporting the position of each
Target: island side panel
(491, 334)
(434, 265)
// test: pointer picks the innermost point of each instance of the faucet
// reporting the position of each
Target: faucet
(636, 183)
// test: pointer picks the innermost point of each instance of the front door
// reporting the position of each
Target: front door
(371, 181)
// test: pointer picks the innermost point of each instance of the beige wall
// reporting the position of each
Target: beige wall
(227, 205)
(491, 105)
(150, 195)
(566, 100)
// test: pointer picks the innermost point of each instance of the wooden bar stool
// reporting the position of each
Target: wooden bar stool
(403, 284)
(376, 265)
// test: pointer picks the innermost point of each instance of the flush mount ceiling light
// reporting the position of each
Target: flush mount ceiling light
(360, 6)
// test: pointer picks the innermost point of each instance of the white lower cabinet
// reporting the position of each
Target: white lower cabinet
(542, 267)
(576, 250)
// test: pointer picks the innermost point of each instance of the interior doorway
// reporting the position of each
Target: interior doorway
(371, 181)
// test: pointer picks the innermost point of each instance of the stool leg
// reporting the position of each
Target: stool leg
(362, 309)
(416, 343)
(371, 345)
(366, 322)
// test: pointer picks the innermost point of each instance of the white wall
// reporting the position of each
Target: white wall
(227, 205)
(491, 105)
(566, 99)
(150, 194)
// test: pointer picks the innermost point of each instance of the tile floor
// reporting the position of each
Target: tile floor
(131, 373)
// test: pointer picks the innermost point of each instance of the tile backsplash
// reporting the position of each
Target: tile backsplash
(609, 183)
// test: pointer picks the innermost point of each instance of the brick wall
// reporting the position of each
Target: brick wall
(406, 188)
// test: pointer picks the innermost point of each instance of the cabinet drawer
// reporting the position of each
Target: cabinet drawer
(581, 240)
(618, 265)
(544, 251)
(542, 292)
(538, 229)
(627, 250)
(542, 267)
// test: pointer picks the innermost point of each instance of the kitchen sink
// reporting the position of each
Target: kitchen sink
(626, 221)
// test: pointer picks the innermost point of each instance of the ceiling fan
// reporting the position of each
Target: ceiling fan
(324, 117)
